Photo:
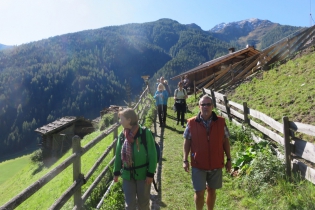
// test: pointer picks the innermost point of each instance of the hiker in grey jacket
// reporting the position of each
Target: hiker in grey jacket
(133, 162)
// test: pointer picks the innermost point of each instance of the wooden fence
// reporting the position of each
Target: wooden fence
(74, 160)
(297, 151)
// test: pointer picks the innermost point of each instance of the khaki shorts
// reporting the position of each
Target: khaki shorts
(201, 179)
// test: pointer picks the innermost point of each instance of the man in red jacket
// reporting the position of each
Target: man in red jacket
(206, 140)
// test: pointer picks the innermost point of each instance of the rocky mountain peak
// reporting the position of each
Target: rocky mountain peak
(247, 25)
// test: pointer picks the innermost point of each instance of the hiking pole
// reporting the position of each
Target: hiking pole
(162, 107)
(104, 196)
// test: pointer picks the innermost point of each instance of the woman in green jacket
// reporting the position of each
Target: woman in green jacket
(134, 163)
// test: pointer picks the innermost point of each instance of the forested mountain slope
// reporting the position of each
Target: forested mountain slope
(79, 74)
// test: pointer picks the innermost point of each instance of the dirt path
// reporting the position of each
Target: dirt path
(155, 199)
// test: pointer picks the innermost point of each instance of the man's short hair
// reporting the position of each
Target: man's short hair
(204, 97)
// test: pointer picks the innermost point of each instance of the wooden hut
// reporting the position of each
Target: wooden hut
(57, 135)
(206, 73)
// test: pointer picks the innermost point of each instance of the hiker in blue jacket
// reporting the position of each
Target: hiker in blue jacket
(134, 162)
(161, 97)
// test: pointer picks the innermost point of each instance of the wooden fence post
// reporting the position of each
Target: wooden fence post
(115, 133)
(213, 99)
(287, 146)
(195, 89)
(228, 112)
(76, 149)
(246, 112)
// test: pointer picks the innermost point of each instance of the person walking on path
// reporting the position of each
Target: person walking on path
(186, 82)
(157, 82)
(161, 97)
(133, 162)
(180, 96)
(167, 88)
(206, 139)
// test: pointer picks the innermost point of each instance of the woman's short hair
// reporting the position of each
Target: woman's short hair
(160, 87)
(129, 113)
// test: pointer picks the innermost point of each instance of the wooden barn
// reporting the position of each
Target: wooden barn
(57, 135)
(205, 74)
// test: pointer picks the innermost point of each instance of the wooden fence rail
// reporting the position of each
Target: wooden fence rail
(281, 133)
(79, 179)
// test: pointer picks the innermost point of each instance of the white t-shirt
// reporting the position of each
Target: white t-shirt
(180, 94)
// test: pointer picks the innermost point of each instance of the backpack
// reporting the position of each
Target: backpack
(144, 142)
(185, 93)
(174, 106)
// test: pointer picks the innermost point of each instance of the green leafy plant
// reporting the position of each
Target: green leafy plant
(115, 198)
(37, 156)
(265, 170)
(107, 120)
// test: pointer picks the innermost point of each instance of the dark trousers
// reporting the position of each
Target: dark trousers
(181, 109)
(162, 113)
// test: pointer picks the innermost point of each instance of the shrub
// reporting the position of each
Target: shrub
(37, 156)
(264, 171)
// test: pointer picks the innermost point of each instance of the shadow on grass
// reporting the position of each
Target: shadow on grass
(39, 168)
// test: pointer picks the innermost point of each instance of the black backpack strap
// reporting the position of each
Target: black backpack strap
(122, 137)
(155, 186)
(135, 167)
(144, 138)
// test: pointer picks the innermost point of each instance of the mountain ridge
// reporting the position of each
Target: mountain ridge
(252, 23)
(80, 73)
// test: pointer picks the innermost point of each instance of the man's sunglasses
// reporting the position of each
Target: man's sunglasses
(207, 104)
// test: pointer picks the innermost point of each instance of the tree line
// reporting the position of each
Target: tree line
(79, 74)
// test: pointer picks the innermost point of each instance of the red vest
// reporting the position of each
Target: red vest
(206, 148)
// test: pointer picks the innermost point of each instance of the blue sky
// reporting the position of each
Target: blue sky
(23, 21)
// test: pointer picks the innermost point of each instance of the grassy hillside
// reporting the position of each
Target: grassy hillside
(11, 167)
(285, 90)
(31, 172)
(255, 188)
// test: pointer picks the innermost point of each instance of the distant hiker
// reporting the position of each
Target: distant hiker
(157, 82)
(167, 88)
(161, 97)
(180, 96)
(160, 81)
(134, 163)
(186, 82)
(206, 139)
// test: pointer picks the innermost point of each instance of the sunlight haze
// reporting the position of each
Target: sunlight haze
(24, 21)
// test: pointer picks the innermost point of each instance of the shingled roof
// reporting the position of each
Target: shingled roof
(243, 53)
(57, 125)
